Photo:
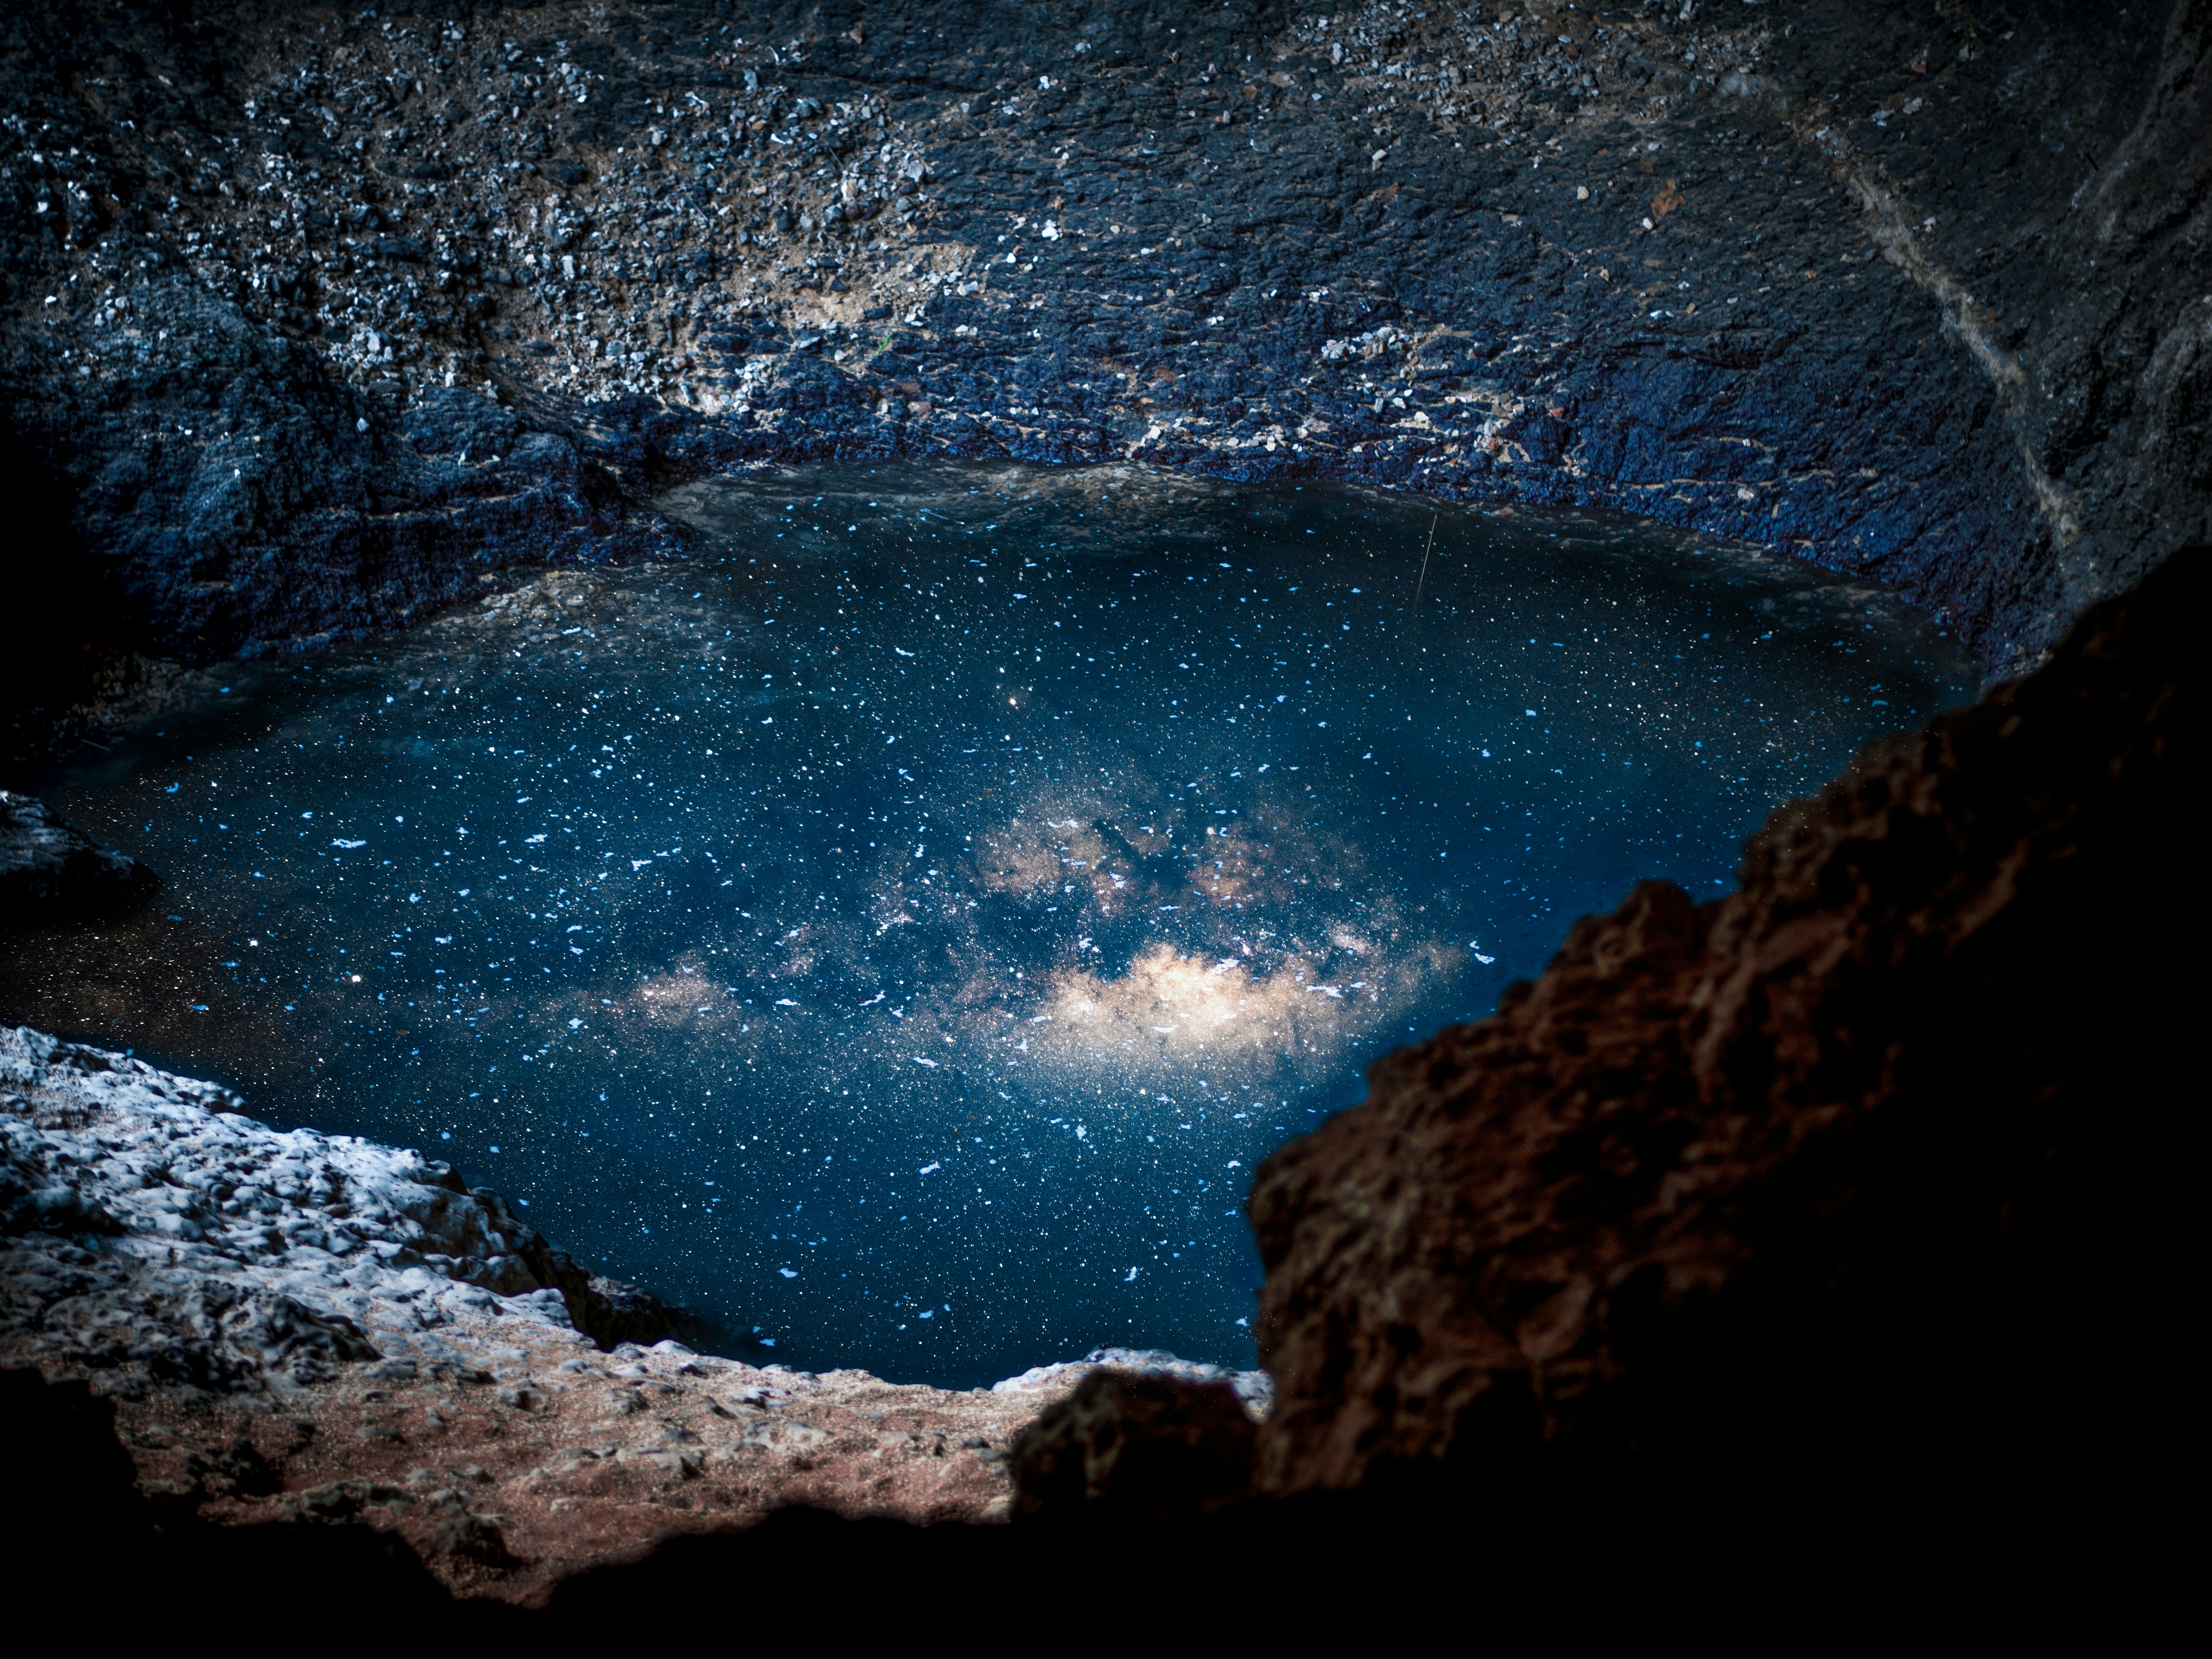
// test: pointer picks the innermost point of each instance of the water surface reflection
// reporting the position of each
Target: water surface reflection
(899, 931)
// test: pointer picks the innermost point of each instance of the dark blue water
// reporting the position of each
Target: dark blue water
(899, 931)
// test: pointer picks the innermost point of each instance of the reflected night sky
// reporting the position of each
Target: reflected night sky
(898, 932)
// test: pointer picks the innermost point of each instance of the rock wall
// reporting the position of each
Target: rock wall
(314, 322)
(1803, 1195)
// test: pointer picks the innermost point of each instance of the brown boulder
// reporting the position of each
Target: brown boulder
(1136, 1449)
(1863, 1172)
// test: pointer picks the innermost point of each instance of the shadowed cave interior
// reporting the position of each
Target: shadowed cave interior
(740, 724)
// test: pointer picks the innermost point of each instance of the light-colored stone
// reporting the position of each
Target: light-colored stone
(296, 1327)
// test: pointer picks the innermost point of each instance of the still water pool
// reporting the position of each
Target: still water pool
(899, 931)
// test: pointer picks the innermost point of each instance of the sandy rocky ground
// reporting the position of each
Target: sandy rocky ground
(313, 1328)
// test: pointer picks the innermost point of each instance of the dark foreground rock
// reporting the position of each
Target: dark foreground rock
(49, 869)
(1135, 1450)
(75, 1524)
(313, 322)
(1811, 1189)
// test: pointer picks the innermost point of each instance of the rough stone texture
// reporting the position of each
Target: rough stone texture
(312, 323)
(306, 1328)
(315, 322)
(1803, 1190)
(49, 867)
(1136, 1450)
(310, 1236)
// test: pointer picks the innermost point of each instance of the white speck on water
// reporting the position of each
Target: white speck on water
(1078, 942)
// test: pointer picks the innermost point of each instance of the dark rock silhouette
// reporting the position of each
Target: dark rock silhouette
(1792, 1192)
(74, 1522)
(51, 869)
(1135, 1449)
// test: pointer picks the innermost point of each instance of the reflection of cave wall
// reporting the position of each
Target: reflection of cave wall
(1967, 351)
